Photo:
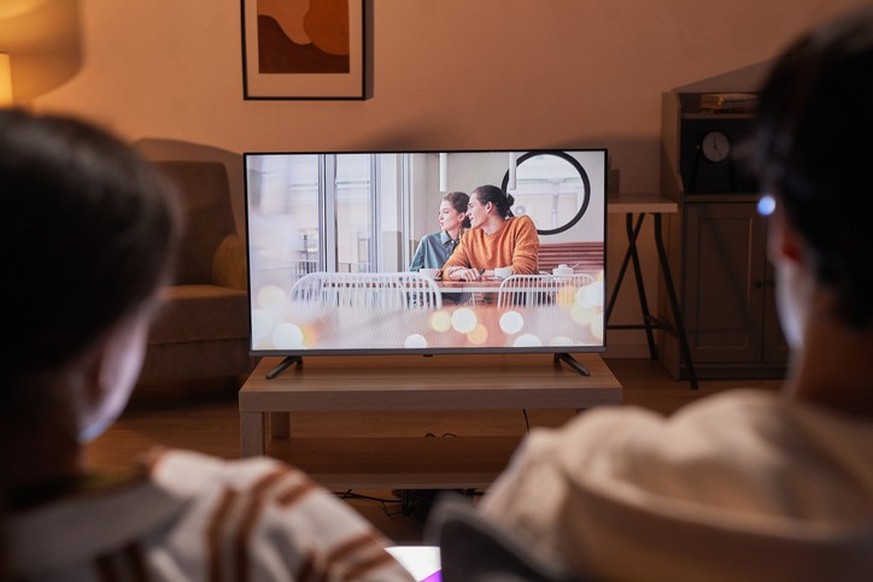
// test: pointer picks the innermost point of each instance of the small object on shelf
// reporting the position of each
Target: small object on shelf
(729, 101)
(715, 146)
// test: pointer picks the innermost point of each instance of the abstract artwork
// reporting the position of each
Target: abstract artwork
(303, 49)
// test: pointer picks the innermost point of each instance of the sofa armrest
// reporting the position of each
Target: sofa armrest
(229, 263)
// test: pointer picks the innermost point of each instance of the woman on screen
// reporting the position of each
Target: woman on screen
(496, 239)
(435, 248)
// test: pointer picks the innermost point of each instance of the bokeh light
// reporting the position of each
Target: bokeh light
(566, 296)
(511, 322)
(527, 340)
(415, 341)
(464, 320)
(287, 336)
(479, 335)
(272, 298)
(591, 294)
(582, 314)
(441, 321)
(597, 326)
(262, 323)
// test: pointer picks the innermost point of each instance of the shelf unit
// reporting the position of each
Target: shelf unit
(717, 244)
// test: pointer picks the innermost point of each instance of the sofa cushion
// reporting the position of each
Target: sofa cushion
(205, 199)
(229, 263)
(171, 371)
(200, 312)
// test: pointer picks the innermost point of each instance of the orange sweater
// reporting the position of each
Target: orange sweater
(515, 245)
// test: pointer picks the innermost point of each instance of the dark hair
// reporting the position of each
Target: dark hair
(90, 229)
(459, 201)
(496, 196)
(816, 107)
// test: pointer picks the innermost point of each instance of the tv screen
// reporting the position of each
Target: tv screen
(336, 261)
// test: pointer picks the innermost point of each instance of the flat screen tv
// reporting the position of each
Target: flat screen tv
(331, 237)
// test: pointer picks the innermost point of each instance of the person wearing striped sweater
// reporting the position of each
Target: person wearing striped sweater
(91, 232)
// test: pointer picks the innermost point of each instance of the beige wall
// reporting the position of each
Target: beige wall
(445, 74)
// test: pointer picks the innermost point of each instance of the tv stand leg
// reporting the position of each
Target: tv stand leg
(573, 363)
(284, 365)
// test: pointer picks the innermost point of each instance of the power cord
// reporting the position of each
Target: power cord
(385, 503)
(410, 502)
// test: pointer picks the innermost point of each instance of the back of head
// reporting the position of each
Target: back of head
(90, 230)
(496, 196)
(814, 148)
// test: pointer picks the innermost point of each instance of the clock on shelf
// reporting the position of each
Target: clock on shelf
(707, 155)
(715, 146)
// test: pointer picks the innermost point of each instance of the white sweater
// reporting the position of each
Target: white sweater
(743, 485)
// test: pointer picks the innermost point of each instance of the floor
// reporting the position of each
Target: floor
(210, 424)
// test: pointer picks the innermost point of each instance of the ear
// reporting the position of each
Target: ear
(784, 242)
(110, 374)
(85, 388)
(92, 372)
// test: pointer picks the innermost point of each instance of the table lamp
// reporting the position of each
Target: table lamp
(5, 80)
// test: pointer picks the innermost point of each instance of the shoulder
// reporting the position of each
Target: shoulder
(731, 439)
(523, 222)
(432, 238)
(189, 470)
(473, 235)
(263, 502)
(712, 423)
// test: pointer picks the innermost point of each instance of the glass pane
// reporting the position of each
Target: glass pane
(353, 212)
(283, 216)
(549, 190)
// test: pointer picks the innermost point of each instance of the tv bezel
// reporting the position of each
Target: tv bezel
(556, 350)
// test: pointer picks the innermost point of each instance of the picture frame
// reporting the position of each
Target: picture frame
(316, 52)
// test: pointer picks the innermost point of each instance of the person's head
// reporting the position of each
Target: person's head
(91, 233)
(812, 154)
(453, 212)
(488, 203)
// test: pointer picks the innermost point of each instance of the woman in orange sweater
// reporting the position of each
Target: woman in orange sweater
(496, 239)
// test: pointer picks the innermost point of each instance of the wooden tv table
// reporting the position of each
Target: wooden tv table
(410, 383)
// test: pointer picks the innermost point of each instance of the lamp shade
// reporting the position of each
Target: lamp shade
(5, 80)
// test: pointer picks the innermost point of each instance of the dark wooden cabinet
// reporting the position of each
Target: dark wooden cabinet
(718, 251)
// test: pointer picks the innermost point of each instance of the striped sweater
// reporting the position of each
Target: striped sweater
(195, 517)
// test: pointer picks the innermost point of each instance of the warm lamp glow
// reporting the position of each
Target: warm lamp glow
(5, 80)
(12, 8)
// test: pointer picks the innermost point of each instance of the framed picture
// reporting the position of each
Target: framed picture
(303, 50)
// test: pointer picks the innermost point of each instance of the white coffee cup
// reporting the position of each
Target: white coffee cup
(502, 272)
(432, 273)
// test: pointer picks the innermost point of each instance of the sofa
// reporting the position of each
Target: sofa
(201, 333)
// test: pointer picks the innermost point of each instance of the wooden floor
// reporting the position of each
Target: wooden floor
(211, 425)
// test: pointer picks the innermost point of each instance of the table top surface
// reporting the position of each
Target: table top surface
(440, 382)
(542, 282)
(633, 203)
